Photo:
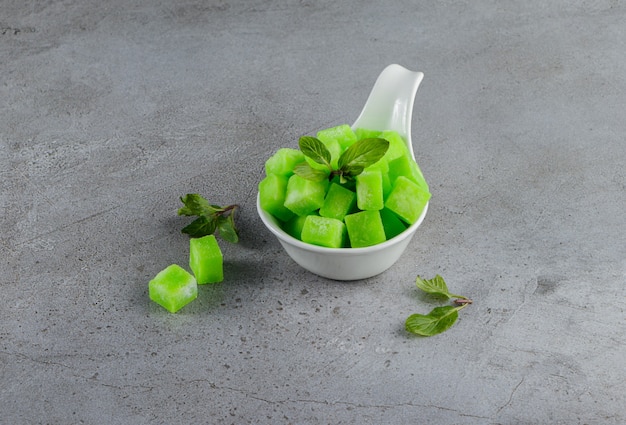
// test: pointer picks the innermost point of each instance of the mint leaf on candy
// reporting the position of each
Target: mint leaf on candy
(304, 170)
(440, 319)
(315, 149)
(210, 218)
(361, 155)
(351, 163)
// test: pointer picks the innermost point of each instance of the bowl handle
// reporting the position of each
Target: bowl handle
(390, 103)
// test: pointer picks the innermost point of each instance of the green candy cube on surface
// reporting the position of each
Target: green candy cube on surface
(369, 190)
(304, 196)
(324, 231)
(206, 260)
(392, 224)
(339, 201)
(272, 191)
(407, 200)
(283, 162)
(343, 134)
(173, 288)
(365, 228)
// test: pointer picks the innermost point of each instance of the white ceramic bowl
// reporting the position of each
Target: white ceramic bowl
(389, 107)
(342, 263)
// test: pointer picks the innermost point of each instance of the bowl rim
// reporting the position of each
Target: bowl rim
(283, 236)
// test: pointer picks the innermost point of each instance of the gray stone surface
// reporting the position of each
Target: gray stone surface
(109, 111)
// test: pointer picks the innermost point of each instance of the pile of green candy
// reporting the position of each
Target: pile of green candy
(375, 206)
(174, 287)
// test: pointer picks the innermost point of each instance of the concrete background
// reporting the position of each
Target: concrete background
(110, 111)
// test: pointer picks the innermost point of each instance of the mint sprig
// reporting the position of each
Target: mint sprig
(350, 164)
(440, 319)
(210, 218)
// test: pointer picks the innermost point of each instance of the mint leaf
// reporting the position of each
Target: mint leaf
(435, 286)
(316, 150)
(351, 163)
(226, 227)
(195, 204)
(439, 320)
(361, 155)
(201, 226)
(210, 218)
(305, 171)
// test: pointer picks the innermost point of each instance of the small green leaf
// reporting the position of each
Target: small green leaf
(201, 226)
(315, 149)
(195, 204)
(209, 218)
(305, 171)
(362, 154)
(226, 227)
(437, 321)
(435, 286)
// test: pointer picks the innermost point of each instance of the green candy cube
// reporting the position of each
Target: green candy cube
(365, 228)
(339, 201)
(383, 166)
(205, 260)
(366, 133)
(324, 231)
(405, 166)
(272, 191)
(283, 162)
(343, 134)
(294, 226)
(392, 224)
(173, 288)
(304, 196)
(369, 190)
(407, 200)
(397, 145)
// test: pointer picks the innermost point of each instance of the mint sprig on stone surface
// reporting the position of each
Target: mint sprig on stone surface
(440, 319)
(210, 218)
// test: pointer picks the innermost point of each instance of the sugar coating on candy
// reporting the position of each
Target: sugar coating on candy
(206, 260)
(272, 191)
(366, 133)
(365, 228)
(369, 190)
(304, 196)
(407, 200)
(343, 134)
(404, 166)
(173, 288)
(339, 201)
(324, 231)
(283, 162)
